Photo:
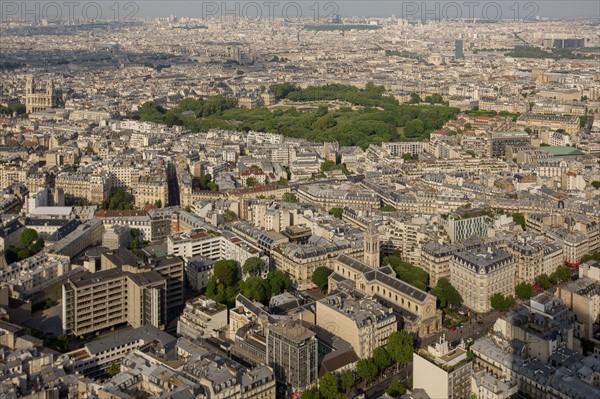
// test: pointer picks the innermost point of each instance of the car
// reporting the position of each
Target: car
(469, 340)
(453, 328)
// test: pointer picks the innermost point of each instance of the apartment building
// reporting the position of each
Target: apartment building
(405, 233)
(85, 235)
(292, 353)
(545, 324)
(35, 272)
(363, 323)
(153, 224)
(150, 190)
(201, 318)
(477, 275)
(75, 186)
(583, 298)
(435, 257)
(300, 261)
(499, 141)
(198, 271)
(575, 244)
(442, 372)
(398, 149)
(96, 357)
(538, 123)
(327, 197)
(533, 257)
(499, 105)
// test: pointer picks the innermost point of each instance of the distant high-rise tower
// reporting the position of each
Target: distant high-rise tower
(371, 247)
(458, 49)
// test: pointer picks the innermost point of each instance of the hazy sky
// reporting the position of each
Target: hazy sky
(428, 8)
(318, 10)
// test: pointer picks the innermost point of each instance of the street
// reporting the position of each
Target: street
(383, 382)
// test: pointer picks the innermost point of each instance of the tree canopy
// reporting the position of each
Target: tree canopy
(28, 236)
(336, 212)
(252, 266)
(379, 117)
(524, 290)
(501, 302)
(289, 197)
(226, 272)
(320, 277)
(366, 369)
(400, 346)
(407, 272)
(446, 294)
(543, 280)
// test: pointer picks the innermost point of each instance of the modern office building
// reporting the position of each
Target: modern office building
(292, 353)
(458, 49)
(122, 292)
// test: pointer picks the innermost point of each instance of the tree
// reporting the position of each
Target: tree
(336, 212)
(256, 289)
(381, 358)
(415, 98)
(388, 208)
(226, 272)
(311, 393)
(562, 273)
(113, 370)
(328, 385)
(414, 128)
(502, 303)
(158, 203)
(446, 293)
(289, 197)
(543, 281)
(229, 216)
(251, 182)
(400, 346)
(28, 236)
(524, 291)
(596, 184)
(320, 277)
(278, 282)
(366, 369)
(519, 219)
(252, 266)
(37, 246)
(347, 380)
(407, 272)
(396, 389)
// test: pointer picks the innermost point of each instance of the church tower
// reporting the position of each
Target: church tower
(30, 85)
(371, 247)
